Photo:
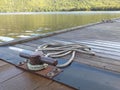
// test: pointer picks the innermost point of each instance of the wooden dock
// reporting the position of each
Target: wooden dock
(103, 38)
(12, 78)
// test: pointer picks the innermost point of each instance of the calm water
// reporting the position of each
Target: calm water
(20, 25)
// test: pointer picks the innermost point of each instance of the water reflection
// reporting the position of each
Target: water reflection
(25, 25)
(5, 39)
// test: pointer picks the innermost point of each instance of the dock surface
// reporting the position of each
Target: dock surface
(12, 78)
(103, 38)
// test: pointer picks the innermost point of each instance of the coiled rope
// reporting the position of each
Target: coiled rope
(56, 50)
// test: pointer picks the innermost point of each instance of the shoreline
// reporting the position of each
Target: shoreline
(56, 12)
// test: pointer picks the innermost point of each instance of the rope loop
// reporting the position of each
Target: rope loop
(56, 50)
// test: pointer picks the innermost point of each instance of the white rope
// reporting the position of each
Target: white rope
(60, 50)
(36, 67)
(58, 54)
(69, 61)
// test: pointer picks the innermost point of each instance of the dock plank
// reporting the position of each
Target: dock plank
(25, 81)
(55, 86)
(2, 63)
(7, 72)
(100, 63)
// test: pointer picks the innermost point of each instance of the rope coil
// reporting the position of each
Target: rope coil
(55, 50)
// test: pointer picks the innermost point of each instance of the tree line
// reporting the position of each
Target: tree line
(58, 5)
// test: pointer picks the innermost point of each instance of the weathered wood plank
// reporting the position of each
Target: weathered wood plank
(55, 86)
(2, 63)
(97, 58)
(25, 81)
(98, 62)
(7, 72)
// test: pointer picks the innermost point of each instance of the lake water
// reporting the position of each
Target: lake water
(21, 25)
